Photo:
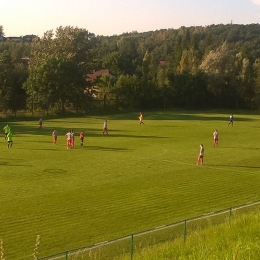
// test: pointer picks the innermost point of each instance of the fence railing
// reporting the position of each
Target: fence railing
(130, 244)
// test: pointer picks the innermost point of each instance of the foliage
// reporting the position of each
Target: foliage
(12, 76)
(58, 66)
(1, 30)
(226, 54)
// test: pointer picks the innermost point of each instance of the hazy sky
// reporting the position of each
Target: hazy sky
(109, 17)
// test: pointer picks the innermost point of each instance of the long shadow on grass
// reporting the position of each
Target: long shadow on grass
(106, 148)
(20, 127)
(15, 164)
(191, 117)
(55, 170)
(234, 166)
(39, 149)
(134, 136)
(172, 115)
(242, 148)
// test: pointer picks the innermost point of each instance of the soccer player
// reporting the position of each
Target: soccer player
(81, 138)
(141, 118)
(6, 129)
(215, 138)
(54, 137)
(40, 123)
(105, 127)
(231, 120)
(72, 136)
(9, 140)
(68, 137)
(201, 155)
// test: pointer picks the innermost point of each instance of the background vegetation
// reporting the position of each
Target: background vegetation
(216, 66)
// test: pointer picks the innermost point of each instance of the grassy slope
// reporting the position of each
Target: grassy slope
(134, 179)
(238, 241)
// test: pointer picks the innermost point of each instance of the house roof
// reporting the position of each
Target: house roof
(92, 76)
(29, 37)
(14, 38)
(163, 62)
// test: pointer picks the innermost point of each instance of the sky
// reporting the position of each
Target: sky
(115, 17)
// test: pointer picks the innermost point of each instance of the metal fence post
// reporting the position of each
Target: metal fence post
(185, 230)
(132, 247)
(230, 213)
(66, 256)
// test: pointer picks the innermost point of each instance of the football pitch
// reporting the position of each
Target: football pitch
(133, 179)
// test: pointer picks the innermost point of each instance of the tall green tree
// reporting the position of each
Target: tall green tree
(1, 30)
(12, 76)
(58, 65)
(219, 66)
(127, 88)
(58, 80)
(256, 83)
(112, 63)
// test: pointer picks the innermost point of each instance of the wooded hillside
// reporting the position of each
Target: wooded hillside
(216, 66)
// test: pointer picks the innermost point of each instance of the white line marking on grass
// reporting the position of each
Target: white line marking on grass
(158, 154)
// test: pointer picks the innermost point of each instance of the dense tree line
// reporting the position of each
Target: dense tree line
(190, 67)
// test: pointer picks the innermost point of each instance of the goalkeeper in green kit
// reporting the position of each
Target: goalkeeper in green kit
(6, 129)
(9, 140)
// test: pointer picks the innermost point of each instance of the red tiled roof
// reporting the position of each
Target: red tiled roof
(91, 77)
(163, 62)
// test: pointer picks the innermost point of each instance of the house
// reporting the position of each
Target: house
(93, 76)
(29, 38)
(26, 60)
(14, 39)
(26, 38)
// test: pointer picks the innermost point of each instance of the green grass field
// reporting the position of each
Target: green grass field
(131, 180)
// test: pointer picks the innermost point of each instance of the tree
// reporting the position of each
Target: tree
(58, 65)
(58, 80)
(256, 68)
(6, 79)
(163, 84)
(1, 31)
(128, 53)
(189, 62)
(128, 88)
(12, 75)
(243, 84)
(219, 66)
(112, 63)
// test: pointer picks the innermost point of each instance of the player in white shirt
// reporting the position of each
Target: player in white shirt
(105, 127)
(72, 138)
(215, 138)
(68, 137)
(54, 137)
(201, 155)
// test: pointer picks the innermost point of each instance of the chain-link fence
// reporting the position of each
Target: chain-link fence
(129, 245)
